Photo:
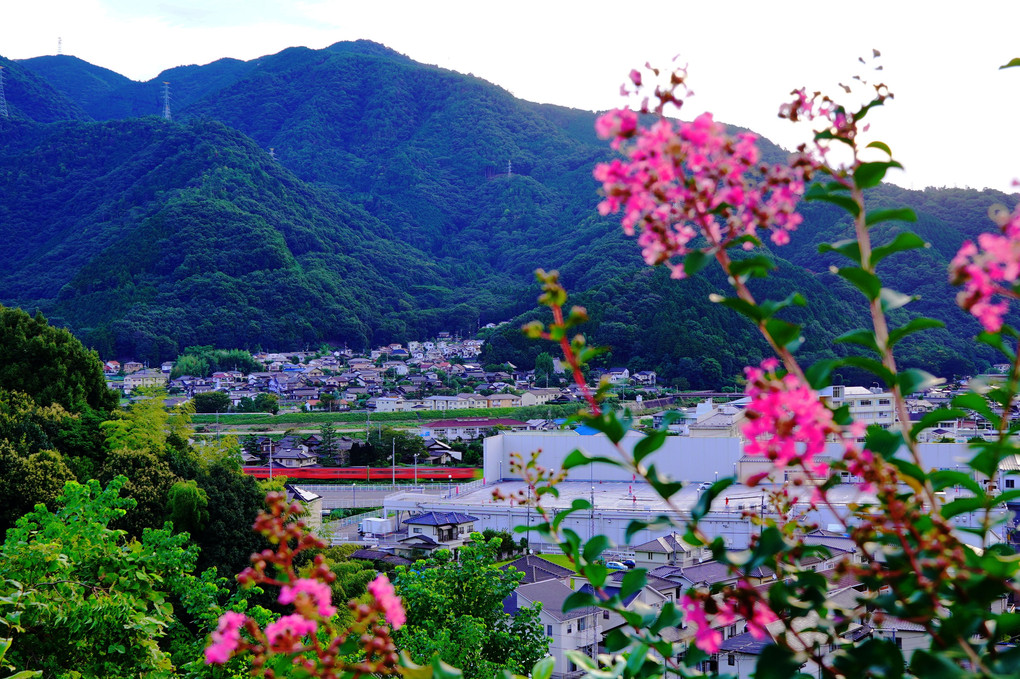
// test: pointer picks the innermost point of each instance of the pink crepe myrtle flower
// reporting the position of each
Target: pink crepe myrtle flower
(389, 602)
(679, 180)
(987, 269)
(225, 639)
(761, 617)
(706, 636)
(284, 634)
(786, 422)
(317, 592)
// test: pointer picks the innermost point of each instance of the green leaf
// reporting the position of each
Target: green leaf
(892, 299)
(883, 442)
(649, 444)
(577, 458)
(740, 306)
(944, 478)
(785, 334)
(977, 403)
(868, 175)
(770, 307)
(633, 581)
(912, 326)
(872, 366)
(695, 261)
(1013, 63)
(868, 283)
(905, 240)
(849, 248)
(579, 600)
(543, 668)
(440, 670)
(777, 662)
(594, 547)
(913, 379)
(704, 503)
(756, 267)
(818, 374)
(864, 338)
(880, 145)
(933, 418)
(819, 192)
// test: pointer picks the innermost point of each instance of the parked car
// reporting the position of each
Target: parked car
(629, 563)
(615, 565)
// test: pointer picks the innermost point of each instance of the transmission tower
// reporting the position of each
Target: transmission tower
(509, 168)
(60, 46)
(3, 99)
(166, 101)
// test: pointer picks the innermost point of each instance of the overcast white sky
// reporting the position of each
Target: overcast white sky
(954, 120)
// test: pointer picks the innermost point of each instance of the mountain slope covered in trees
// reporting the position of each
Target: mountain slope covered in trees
(399, 199)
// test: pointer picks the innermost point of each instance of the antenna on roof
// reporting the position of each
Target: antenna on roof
(60, 46)
(3, 99)
(166, 101)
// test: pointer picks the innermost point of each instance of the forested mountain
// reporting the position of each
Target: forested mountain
(399, 199)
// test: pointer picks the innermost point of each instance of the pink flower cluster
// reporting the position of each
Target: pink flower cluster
(707, 636)
(226, 638)
(786, 422)
(318, 593)
(987, 269)
(389, 602)
(682, 180)
(285, 634)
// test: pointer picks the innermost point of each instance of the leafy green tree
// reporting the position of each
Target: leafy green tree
(28, 480)
(190, 364)
(50, 364)
(212, 402)
(235, 499)
(141, 427)
(544, 370)
(267, 403)
(455, 611)
(187, 505)
(149, 480)
(95, 602)
(328, 443)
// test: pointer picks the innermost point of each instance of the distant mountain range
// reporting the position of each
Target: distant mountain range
(351, 195)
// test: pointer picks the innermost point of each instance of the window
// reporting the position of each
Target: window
(570, 628)
(1010, 483)
(605, 615)
(883, 401)
(582, 624)
(733, 630)
(731, 659)
(866, 402)
(548, 630)
(417, 530)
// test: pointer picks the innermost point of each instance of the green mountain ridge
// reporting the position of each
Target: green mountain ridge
(400, 199)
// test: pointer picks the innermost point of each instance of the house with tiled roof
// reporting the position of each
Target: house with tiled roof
(537, 569)
(668, 550)
(442, 527)
(575, 630)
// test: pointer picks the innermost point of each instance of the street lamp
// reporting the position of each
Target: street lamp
(354, 502)
(416, 469)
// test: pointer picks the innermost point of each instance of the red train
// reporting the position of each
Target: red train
(378, 474)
